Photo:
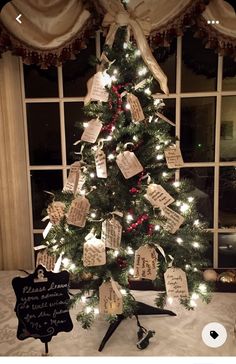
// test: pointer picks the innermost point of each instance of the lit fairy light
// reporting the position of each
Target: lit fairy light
(96, 311)
(164, 174)
(147, 91)
(88, 309)
(123, 292)
(176, 184)
(179, 240)
(115, 71)
(113, 128)
(184, 207)
(159, 157)
(157, 227)
(195, 270)
(125, 45)
(193, 303)
(178, 203)
(142, 71)
(72, 266)
(131, 271)
(190, 199)
(93, 215)
(202, 288)
(113, 78)
(129, 250)
(92, 175)
(166, 142)
(196, 245)
(116, 253)
(109, 138)
(158, 147)
(187, 266)
(111, 156)
(126, 56)
(127, 106)
(83, 192)
(135, 138)
(62, 240)
(83, 299)
(54, 241)
(196, 222)
(66, 262)
(54, 248)
(170, 300)
(129, 218)
(194, 296)
(157, 102)
(85, 125)
(137, 53)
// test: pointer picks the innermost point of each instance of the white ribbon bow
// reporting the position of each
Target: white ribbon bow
(117, 16)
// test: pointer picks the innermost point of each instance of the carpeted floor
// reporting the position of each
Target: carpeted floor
(175, 336)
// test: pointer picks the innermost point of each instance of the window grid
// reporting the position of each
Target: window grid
(178, 97)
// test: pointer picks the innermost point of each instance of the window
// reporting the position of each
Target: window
(202, 103)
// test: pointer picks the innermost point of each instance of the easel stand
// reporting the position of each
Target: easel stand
(46, 352)
(142, 309)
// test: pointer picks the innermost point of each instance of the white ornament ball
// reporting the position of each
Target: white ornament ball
(210, 275)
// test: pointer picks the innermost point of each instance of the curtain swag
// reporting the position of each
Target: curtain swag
(54, 31)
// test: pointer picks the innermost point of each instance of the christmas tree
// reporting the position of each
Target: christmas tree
(122, 215)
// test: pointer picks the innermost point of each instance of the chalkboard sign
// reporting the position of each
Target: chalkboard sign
(42, 304)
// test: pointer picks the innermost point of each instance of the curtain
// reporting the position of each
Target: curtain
(15, 235)
(50, 32)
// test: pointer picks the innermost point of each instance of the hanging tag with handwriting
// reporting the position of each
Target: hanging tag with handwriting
(98, 91)
(135, 108)
(111, 233)
(73, 178)
(78, 211)
(48, 261)
(101, 164)
(174, 157)
(176, 283)
(129, 164)
(92, 131)
(110, 298)
(158, 196)
(56, 211)
(174, 220)
(94, 253)
(145, 262)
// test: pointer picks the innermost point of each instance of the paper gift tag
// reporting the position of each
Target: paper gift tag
(73, 178)
(48, 261)
(81, 182)
(110, 298)
(135, 108)
(174, 157)
(78, 211)
(94, 253)
(101, 164)
(174, 220)
(111, 233)
(98, 91)
(145, 262)
(158, 196)
(92, 131)
(176, 283)
(56, 211)
(128, 164)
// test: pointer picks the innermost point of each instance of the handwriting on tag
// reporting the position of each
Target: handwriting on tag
(92, 131)
(145, 263)
(101, 164)
(73, 178)
(94, 253)
(78, 211)
(98, 91)
(174, 220)
(48, 261)
(174, 157)
(110, 298)
(56, 211)
(111, 233)
(135, 108)
(158, 196)
(129, 164)
(176, 283)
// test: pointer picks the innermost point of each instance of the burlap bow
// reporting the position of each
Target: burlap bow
(137, 20)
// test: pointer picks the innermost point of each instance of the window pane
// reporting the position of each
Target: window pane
(227, 197)
(43, 122)
(43, 181)
(227, 250)
(166, 58)
(74, 118)
(37, 241)
(199, 65)
(229, 74)
(228, 129)
(40, 83)
(76, 73)
(198, 129)
(203, 182)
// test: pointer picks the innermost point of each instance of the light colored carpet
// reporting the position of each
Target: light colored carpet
(175, 336)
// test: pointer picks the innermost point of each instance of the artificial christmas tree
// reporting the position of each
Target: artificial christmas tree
(122, 216)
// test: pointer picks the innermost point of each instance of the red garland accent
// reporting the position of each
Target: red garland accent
(139, 221)
(150, 229)
(118, 102)
(133, 190)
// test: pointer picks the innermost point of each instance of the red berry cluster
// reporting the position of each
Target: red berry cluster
(122, 262)
(139, 221)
